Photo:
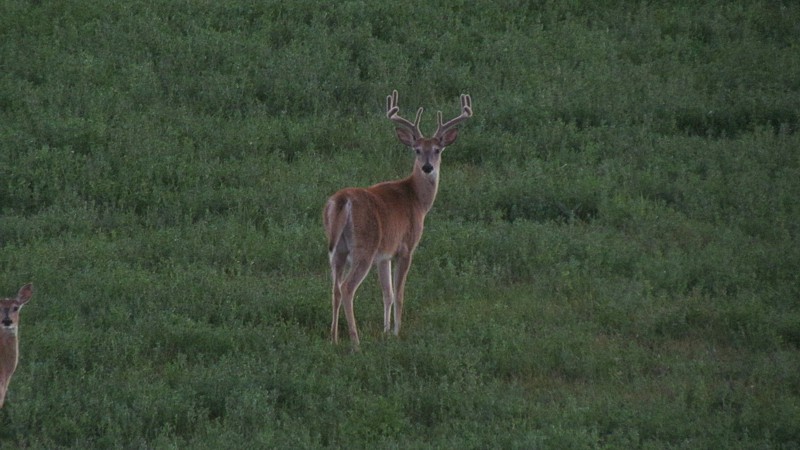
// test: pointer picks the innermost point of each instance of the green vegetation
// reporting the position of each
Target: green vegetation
(613, 260)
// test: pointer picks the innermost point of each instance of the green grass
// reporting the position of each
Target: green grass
(612, 261)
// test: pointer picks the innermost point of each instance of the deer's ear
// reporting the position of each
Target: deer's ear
(405, 136)
(448, 137)
(25, 293)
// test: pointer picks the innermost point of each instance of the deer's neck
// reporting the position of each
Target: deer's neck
(425, 186)
(9, 350)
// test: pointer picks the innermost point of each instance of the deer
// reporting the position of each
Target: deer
(9, 336)
(383, 223)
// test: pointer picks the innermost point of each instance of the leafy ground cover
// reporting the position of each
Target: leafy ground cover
(612, 261)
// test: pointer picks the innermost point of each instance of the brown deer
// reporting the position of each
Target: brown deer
(384, 222)
(9, 336)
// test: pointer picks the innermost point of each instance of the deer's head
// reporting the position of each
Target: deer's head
(9, 308)
(428, 150)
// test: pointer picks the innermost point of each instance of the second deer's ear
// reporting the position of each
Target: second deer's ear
(25, 293)
(448, 137)
(405, 136)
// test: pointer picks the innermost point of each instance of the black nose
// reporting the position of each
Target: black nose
(7, 322)
(427, 168)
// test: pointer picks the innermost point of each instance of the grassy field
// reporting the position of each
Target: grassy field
(613, 260)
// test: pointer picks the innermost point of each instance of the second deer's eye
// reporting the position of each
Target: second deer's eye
(417, 150)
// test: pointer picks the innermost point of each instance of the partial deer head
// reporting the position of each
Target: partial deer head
(428, 150)
(9, 342)
(9, 308)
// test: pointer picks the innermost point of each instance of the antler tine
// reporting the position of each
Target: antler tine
(391, 112)
(391, 104)
(466, 113)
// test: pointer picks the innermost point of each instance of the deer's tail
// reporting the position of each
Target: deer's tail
(338, 211)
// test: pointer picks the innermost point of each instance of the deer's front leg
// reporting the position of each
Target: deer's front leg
(400, 273)
(385, 276)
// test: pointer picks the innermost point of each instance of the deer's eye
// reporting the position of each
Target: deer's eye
(417, 150)
(15, 309)
(436, 151)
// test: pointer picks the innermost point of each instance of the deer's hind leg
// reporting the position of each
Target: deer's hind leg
(338, 261)
(358, 271)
